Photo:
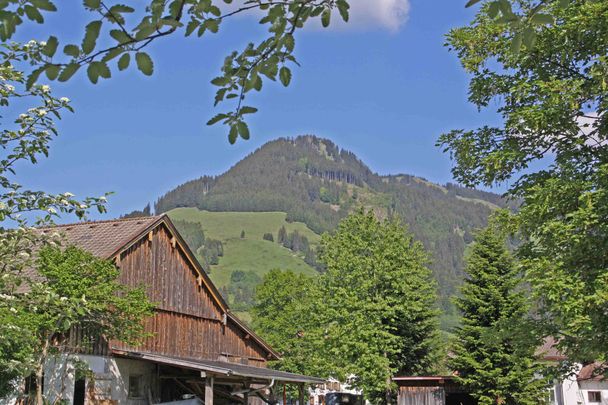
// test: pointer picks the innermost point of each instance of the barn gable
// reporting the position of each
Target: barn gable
(191, 319)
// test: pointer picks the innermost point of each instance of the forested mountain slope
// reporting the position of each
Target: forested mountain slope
(317, 183)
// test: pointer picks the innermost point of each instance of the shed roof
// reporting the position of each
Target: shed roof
(222, 368)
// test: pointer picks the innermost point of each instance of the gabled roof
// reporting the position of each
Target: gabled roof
(108, 239)
(105, 238)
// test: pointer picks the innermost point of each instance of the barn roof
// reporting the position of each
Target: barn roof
(107, 239)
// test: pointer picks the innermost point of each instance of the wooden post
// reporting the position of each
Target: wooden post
(301, 394)
(246, 387)
(209, 390)
(284, 394)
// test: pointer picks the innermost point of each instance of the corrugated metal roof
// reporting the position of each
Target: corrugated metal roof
(222, 368)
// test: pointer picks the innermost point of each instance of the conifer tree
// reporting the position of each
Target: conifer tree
(493, 354)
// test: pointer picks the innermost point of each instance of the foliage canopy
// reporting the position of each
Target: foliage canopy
(552, 99)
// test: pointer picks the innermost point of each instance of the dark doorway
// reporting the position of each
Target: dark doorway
(79, 391)
(459, 399)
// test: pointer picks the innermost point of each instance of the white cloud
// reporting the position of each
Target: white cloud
(385, 14)
(365, 15)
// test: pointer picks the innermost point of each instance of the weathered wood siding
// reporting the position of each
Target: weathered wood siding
(421, 396)
(187, 321)
(170, 279)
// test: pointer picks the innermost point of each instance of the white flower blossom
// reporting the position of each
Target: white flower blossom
(51, 210)
(45, 88)
(64, 100)
(68, 195)
(42, 112)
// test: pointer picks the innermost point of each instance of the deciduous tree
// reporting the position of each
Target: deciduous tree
(73, 289)
(552, 97)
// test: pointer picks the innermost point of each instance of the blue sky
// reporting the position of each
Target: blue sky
(384, 87)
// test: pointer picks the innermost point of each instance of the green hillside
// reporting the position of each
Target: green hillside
(250, 255)
(316, 183)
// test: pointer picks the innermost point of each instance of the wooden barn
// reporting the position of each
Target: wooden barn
(431, 390)
(197, 348)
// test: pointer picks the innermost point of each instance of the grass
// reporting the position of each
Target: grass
(227, 225)
(251, 253)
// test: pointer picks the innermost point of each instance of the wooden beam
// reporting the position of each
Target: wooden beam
(173, 242)
(300, 394)
(209, 390)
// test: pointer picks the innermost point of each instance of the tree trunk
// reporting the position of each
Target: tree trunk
(39, 382)
(40, 375)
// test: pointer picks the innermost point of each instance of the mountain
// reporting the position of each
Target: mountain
(315, 182)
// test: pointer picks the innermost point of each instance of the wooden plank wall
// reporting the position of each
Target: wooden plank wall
(187, 321)
(421, 396)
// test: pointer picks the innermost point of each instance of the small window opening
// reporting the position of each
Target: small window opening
(136, 386)
(595, 396)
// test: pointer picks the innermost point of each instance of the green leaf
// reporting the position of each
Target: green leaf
(33, 14)
(123, 62)
(542, 19)
(44, 5)
(243, 129)
(120, 36)
(112, 53)
(516, 43)
(212, 25)
(248, 110)
(343, 7)
(52, 71)
(326, 17)
(68, 72)
(529, 37)
(192, 25)
(33, 77)
(471, 3)
(144, 63)
(233, 134)
(216, 119)
(285, 76)
(493, 9)
(97, 70)
(145, 31)
(51, 47)
(93, 4)
(71, 50)
(90, 37)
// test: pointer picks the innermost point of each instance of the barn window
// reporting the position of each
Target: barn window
(594, 396)
(136, 386)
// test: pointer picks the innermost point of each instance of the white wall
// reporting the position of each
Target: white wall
(110, 381)
(601, 386)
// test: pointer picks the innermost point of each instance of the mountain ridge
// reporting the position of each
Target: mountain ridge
(317, 183)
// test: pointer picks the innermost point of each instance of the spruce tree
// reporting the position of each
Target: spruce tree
(493, 354)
